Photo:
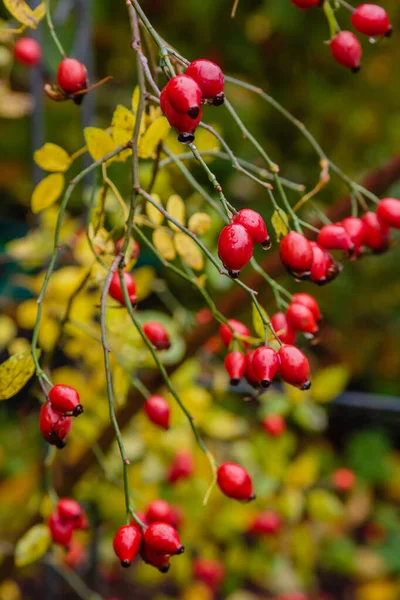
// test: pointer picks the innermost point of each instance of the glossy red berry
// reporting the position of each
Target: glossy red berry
(266, 523)
(182, 466)
(126, 544)
(355, 229)
(155, 559)
(310, 302)
(116, 291)
(65, 399)
(274, 425)
(53, 425)
(250, 373)
(346, 50)
(183, 94)
(306, 3)
(76, 555)
(235, 248)
(371, 20)
(69, 509)
(160, 510)
(265, 365)
(226, 333)
(324, 268)
(134, 253)
(72, 76)
(27, 51)
(209, 78)
(335, 237)
(255, 225)
(158, 411)
(209, 571)
(82, 521)
(163, 539)
(388, 212)
(295, 368)
(301, 318)
(235, 482)
(157, 334)
(283, 329)
(235, 365)
(343, 479)
(61, 531)
(183, 124)
(296, 254)
(376, 234)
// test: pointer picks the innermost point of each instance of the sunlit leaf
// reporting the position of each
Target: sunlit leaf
(324, 506)
(47, 192)
(123, 123)
(99, 142)
(33, 545)
(51, 157)
(153, 213)
(8, 330)
(162, 240)
(176, 208)
(144, 277)
(21, 12)
(199, 223)
(303, 471)
(14, 373)
(189, 251)
(9, 590)
(279, 222)
(156, 133)
(329, 383)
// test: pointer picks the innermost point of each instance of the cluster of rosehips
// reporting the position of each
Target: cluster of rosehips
(235, 243)
(182, 98)
(369, 19)
(354, 236)
(68, 517)
(55, 419)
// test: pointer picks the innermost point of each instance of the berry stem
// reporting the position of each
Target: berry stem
(330, 16)
(53, 31)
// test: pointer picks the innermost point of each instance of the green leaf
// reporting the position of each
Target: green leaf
(329, 383)
(368, 456)
(258, 323)
(33, 545)
(324, 506)
(280, 223)
(14, 373)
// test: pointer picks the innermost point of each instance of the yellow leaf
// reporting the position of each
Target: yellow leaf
(123, 123)
(40, 11)
(206, 141)
(258, 323)
(199, 223)
(21, 12)
(98, 141)
(156, 133)
(144, 278)
(47, 192)
(9, 590)
(51, 157)
(176, 208)
(135, 104)
(33, 545)
(8, 330)
(189, 251)
(279, 222)
(162, 240)
(14, 373)
(152, 212)
(329, 383)
(324, 506)
(303, 471)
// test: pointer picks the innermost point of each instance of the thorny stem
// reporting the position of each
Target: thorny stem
(53, 31)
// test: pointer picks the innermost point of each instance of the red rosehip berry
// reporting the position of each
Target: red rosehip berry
(335, 237)
(235, 365)
(310, 303)
(274, 425)
(183, 124)
(283, 329)
(126, 544)
(163, 539)
(61, 531)
(157, 334)
(250, 373)
(182, 466)
(135, 252)
(235, 482)
(69, 509)
(72, 76)
(346, 50)
(343, 479)
(265, 365)
(160, 510)
(255, 225)
(226, 333)
(204, 316)
(209, 78)
(371, 20)
(27, 51)
(158, 411)
(355, 229)
(306, 3)
(295, 368)
(235, 248)
(116, 291)
(82, 522)
(155, 559)
(76, 555)
(54, 426)
(183, 94)
(266, 523)
(301, 318)
(388, 212)
(376, 234)
(65, 399)
(324, 268)
(209, 571)
(296, 254)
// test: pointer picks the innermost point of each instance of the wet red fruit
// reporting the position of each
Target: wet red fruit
(274, 425)
(235, 482)
(295, 368)
(346, 50)
(69, 509)
(310, 303)
(155, 559)
(72, 76)
(27, 51)
(301, 318)
(182, 466)
(265, 365)
(323, 269)
(235, 365)
(82, 522)
(388, 212)
(371, 20)
(376, 234)
(250, 374)
(76, 555)
(235, 248)
(126, 544)
(355, 229)
(160, 510)
(163, 539)
(134, 253)
(343, 479)
(157, 334)
(306, 3)
(116, 291)
(283, 329)
(335, 237)
(183, 94)
(158, 411)
(61, 531)
(296, 254)
(183, 124)
(226, 333)
(255, 225)
(65, 399)
(209, 571)
(266, 523)
(210, 79)
(53, 425)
